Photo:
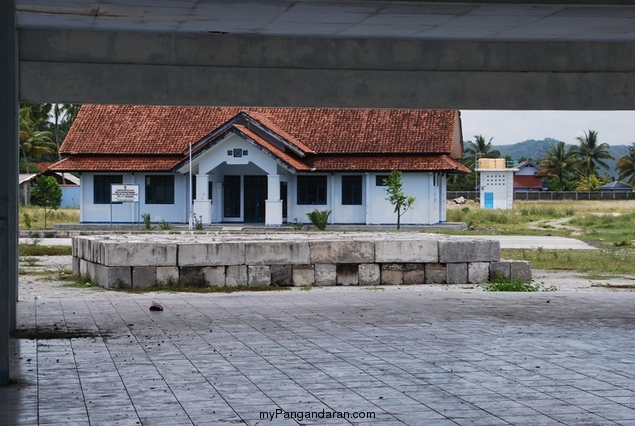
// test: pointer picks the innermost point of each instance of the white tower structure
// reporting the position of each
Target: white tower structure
(496, 183)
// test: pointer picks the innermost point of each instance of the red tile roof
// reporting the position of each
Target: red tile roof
(135, 138)
(438, 163)
(527, 182)
(117, 163)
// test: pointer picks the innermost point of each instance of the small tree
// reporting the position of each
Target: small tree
(47, 194)
(396, 196)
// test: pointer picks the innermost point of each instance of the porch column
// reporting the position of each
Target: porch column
(273, 204)
(202, 204)
(8, 182)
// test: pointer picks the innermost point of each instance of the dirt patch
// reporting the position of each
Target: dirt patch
(43, 334)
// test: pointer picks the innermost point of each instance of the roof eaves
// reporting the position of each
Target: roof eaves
(287, 143)
(252, 139)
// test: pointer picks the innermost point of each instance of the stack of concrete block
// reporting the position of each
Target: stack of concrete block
(291, 259)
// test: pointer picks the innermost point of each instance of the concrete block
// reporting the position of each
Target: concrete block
(456, 273)
(435, 273)
(258, 275)
(477, 272)
(214, 276)
(166, 274)
(347, 274)
(369, 274)
(277, 253)
(139, 254)
(499, 270)
(520, 269)
(114, 276)
(76, 261)
(407, 251)
(211, 254)
(144, 276)
(303, 275)
(342, 252)
(192, 276)
(325, 274)
(75, 247)
(391, 274)
(236, 275)
(464, 250)
(281, 275)
(414, 273)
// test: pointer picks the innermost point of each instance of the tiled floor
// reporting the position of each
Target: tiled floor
(405, 356)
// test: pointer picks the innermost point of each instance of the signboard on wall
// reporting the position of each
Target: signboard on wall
(124, 193)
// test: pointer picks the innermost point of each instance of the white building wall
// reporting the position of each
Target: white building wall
(419, 185)
(497, 188)
(428, 189)
(130, 212)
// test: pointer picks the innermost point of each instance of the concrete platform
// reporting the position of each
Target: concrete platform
(399, 355)
(298, 259)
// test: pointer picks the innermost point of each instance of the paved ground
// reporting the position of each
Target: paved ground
(415, 355)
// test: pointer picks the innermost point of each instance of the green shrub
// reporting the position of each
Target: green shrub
(514, 284)
(147, 221)
(297, 226)
(319, 218)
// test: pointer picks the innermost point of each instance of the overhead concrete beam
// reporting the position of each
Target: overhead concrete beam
(176, 69)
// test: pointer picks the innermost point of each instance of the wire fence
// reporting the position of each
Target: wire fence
(553, 195)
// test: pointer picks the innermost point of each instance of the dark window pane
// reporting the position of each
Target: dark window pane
(312, 190)
(379, 180)
(352, 190)
(101, 187)
(160, 189)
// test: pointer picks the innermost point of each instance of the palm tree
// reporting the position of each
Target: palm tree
(591, 154)
(560, 161)
(63, 117)
(626, 166)
(479, 149)
(34, 142)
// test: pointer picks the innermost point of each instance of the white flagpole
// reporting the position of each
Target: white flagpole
(190, 184)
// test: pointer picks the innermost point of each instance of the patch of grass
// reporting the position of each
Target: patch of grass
(601, 261)
(30, 261)
(515, 285)
(306, 288)
(30, 217)
(40, 250)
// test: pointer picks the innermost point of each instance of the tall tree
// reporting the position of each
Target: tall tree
(591, 155)
(479, 149)
(560, 161)
(626, 166)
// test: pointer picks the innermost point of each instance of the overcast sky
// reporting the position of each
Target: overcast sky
(508, 127)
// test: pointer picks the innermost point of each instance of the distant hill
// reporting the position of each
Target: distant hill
(536, 150)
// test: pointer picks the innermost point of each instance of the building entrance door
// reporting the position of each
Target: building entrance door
(255, 198)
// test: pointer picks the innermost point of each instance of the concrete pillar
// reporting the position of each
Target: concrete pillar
(273, 204)
(202, 204)
(8, 182)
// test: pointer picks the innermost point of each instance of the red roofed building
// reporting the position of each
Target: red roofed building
(528, 178)
(263, 165)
